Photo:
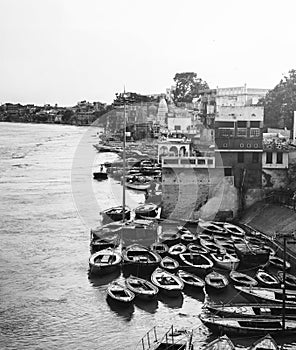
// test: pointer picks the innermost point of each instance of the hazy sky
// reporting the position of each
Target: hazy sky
(64, 51)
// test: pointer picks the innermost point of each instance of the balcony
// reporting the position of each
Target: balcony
(188, 162)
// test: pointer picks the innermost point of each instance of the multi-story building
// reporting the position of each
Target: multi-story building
(238, 96)
(238, 138)
(210, 101)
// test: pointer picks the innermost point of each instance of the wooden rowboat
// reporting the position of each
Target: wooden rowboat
(271, 295)
(278, 263)
(118, 292)
(196, 263)
(248, 326)
(166, 282)
(104, 261)
(116, 213)
(234, 230)
(159, 248)
(266, 279)
(265, 343)
(195, 248)
(216, 280)
(225, 261)
(251, 310)
(146, 210)
(140, 257)
(251, 255)
(221, 343)
(190, 280)
(169, 264)
(177, 249)
(242, 279)
(141, 288)
(290, 280)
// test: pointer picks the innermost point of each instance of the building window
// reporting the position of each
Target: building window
(269, 158)
(279, 158)
(227, 172)
(226, 132)
(201, 161)
(255, 157)
(210, 162)
(242, 132)
(254, 132)
(240, 157)
(177, 127)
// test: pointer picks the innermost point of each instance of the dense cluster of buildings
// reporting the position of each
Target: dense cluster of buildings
(228, 159)
(83, 113)
(216, 154)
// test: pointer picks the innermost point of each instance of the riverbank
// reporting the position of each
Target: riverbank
(272, 219)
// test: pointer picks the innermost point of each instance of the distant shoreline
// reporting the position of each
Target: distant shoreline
(62, 124)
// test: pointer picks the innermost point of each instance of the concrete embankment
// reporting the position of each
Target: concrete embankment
(272, 219)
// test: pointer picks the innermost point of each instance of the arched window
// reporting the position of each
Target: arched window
(174, 150)
(163, 150)
(182, 151)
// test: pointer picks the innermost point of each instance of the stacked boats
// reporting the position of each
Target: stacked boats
(206, 258)
(269, 309)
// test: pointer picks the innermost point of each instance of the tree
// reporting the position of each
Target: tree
(187, 86)
(280, 103)
(67, 115)
(131, 98)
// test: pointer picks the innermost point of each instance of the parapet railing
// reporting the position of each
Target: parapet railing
(188, 162)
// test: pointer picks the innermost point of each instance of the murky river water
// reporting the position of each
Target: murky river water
(48, 204)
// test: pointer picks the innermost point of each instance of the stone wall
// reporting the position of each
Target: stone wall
(273, 179)
(194, 193)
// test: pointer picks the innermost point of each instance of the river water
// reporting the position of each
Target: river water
(48, 204)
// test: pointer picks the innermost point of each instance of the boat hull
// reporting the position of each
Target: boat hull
(140, 259)
(195, 263)
(116, 214)
(242, 279)
(146, 210)
(216, 281)
(268, 295)
(251, 310)
(142, 289)
(119, 294)
(225, 261)
(167, 283)
(247, 327)
(104, 262)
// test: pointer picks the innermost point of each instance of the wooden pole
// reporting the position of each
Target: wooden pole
(123, 172)
(284, 285)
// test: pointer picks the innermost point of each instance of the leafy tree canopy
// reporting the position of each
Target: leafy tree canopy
(280, 103)
(187, 86)
(130, 98)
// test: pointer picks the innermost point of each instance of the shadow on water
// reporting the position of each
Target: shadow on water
(173, 303)
(97, 281)
(194, 293)
(149, 306)
(130, 269)
(124, 310)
